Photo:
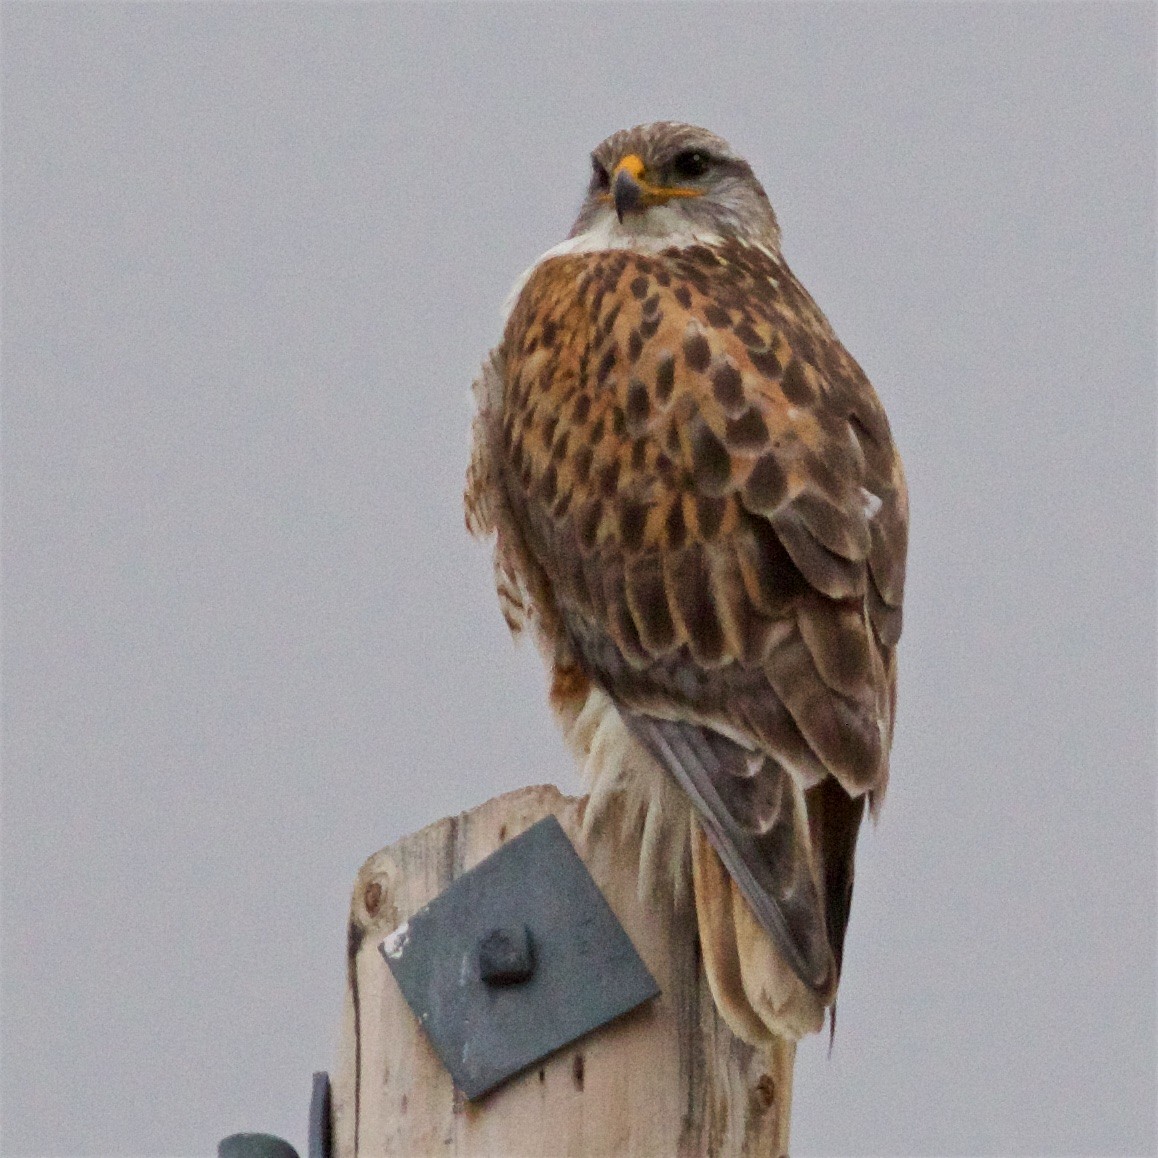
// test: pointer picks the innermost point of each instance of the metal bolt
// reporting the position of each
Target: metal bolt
(506, 956)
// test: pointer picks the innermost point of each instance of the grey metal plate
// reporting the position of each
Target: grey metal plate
(585, 972)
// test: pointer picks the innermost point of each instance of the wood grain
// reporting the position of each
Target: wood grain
(667, 1079)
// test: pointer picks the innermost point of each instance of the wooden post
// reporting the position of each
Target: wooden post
(667, 1079)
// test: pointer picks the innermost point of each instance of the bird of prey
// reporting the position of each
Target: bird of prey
(702, 519)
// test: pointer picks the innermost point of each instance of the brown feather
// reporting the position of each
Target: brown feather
(647, 599)
(830, 573)
(718, 941)
(842, 530)
(836, 635)
(843, 735)
(834, 821)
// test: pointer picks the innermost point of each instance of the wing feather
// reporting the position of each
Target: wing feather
(846, 736)
(830, 573)
(709, 482)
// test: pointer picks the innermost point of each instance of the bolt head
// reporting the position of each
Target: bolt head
(506, 956)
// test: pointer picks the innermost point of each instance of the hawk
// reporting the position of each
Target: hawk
(701, 517)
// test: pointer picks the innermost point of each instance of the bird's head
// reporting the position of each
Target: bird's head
(674, 183)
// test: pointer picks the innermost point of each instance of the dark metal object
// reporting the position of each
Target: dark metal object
(320, 1136)
(506, 956)
(254, 1146)
(586, 970)
(269, 1146)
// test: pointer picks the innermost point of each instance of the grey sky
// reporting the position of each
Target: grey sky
(252, 257)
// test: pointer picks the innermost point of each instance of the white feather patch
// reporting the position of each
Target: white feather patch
(627, 784)
(661, 227)
(872, 503)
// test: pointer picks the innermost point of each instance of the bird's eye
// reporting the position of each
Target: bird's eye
(690, 164)
(599, 175)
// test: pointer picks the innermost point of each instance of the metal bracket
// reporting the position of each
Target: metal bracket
(321, 1134)
(516, 959)
(270, 1146)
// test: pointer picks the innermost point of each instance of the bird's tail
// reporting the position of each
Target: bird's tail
(771, 914)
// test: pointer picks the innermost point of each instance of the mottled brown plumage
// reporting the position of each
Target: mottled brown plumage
(700, 509)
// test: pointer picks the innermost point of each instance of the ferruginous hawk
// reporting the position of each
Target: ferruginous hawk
(702, 518)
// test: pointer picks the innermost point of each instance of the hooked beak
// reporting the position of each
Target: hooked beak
(626, 188)
(632, 192)
(628, 194)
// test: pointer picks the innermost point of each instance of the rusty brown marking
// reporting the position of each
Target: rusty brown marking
(764, 1094)
(372, 897)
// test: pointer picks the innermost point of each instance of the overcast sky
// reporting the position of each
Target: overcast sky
(252, 257)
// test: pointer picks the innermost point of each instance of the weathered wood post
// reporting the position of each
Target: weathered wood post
(667, 1079)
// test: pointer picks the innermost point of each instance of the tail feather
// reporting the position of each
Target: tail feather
(834, 820)
(753, 815)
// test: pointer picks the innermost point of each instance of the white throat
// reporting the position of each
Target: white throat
(660, 227)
